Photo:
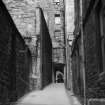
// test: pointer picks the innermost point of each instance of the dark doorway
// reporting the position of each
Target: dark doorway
(58, 72)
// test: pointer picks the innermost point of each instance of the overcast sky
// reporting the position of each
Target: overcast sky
(69, 16)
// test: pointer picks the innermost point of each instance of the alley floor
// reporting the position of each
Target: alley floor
(54, 94)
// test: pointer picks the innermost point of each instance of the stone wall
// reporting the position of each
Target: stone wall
(91, 59)
(23, 14)
(45, 53)
(93, 51)
(11, 43)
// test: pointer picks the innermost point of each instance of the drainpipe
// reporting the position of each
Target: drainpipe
(65, 49)
(82, 50)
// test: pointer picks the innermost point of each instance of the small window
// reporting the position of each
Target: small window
(57, 15)
(57, 2)
(57, 35)
(27, 39)
(57, 19)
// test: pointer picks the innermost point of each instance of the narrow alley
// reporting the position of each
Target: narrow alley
(52, 52)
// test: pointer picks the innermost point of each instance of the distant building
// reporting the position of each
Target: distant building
(56, 26)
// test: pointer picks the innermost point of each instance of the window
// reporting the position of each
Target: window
(57, 35)
(57, 2)
(57, 19)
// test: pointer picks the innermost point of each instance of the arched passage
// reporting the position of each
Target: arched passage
(58, 70)
(59, 77)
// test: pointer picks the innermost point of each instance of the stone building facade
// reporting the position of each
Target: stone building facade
(24, 16)
(94, 49)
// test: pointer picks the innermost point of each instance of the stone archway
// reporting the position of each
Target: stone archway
(58, 70)
(59, 77)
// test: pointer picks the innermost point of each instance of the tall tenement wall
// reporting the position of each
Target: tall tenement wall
(11, 44)
(94, 51)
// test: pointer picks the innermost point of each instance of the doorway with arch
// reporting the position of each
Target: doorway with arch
(58, 73)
